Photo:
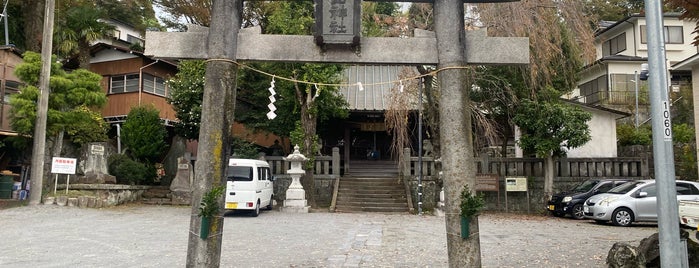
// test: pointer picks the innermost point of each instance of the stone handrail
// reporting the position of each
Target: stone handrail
(324, 166)
(603, 167)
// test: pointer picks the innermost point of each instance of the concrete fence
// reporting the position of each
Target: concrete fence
(568, 172)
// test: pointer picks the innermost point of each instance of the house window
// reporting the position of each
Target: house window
(593, 91)
(123, 83)
(672, 34)
(134, 40)
(11, 87)
(623, 82)
(117, 34)
(154, 84)
(614, 45)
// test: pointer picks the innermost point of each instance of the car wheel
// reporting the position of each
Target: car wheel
(271, 203)
(577, 212)
(622, 217)
(256, 211)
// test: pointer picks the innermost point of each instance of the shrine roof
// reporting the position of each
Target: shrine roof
(377, 83)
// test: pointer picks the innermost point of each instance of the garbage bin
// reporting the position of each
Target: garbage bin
(6, 183)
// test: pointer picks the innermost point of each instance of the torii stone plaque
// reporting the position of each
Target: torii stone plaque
(450, 48)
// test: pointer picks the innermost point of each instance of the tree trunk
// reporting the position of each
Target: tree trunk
(308, 124)
(84, 54)
(58, 144)
(218, 108)
(455, 122)
(548, 178)
(431, 113)
(33, 11)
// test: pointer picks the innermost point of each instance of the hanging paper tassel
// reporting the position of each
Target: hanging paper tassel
(317, 90)
(400, 87)
(359, 84)
(271, 87)
(271, 115)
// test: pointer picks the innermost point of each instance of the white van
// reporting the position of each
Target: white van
(248, 185)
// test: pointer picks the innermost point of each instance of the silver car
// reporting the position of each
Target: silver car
(633, 201)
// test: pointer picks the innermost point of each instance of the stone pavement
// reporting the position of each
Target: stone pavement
(156, 236)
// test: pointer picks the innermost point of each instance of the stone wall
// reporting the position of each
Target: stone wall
(97, 195)
(324, 190)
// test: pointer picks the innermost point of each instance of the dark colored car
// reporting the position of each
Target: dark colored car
(571, 202)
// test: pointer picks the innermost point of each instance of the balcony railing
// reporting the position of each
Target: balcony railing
(616, 98)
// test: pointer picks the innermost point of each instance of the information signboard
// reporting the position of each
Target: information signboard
(516, 184)
(61, 165)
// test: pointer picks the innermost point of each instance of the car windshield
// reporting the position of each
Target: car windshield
(585, 186)
(239, 173)
(625, 188)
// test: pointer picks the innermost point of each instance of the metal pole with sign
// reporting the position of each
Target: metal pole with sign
(667, 208)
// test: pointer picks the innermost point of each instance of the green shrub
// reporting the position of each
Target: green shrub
(629, 135)
(243, 149)
(128, 171)
(682, 133)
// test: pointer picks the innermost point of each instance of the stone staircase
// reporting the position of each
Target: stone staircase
(370, 194)
(157, 195)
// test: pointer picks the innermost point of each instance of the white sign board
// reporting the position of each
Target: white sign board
(61, 165)
(518, 184)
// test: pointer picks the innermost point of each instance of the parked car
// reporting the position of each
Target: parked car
(571, 202)
(634, 201)
(249, 185)
(688, 210)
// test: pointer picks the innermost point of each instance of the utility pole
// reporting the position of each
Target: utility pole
(668, 222)
(455, 123)
(215, 132)
(39, 149)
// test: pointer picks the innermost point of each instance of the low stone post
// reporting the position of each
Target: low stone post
(181, 185)
(295, 195)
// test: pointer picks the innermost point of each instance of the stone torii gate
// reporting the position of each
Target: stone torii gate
(450, 48)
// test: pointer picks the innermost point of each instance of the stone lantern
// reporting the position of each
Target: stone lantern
(295, 195)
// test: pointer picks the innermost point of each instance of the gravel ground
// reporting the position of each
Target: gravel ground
(156, 236)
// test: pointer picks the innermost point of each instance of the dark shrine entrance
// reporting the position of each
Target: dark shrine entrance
(362, 133)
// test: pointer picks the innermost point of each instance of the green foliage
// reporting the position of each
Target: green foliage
(613, 10)
(686, 161)
(298, 137)
(548, 126)
(80, 25)
(89, 126)
(144, 134)
(682, 108)
(128, 171)
(629, 135)
(643, 135)
(137, 13)
(470, 204)
(209, 206)
(72, 96)
(377, 18)
(682, 133)
(244, 149)
(186, 96)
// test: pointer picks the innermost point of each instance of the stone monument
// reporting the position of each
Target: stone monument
(295, 195)
(181, 185)
(94, 164)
